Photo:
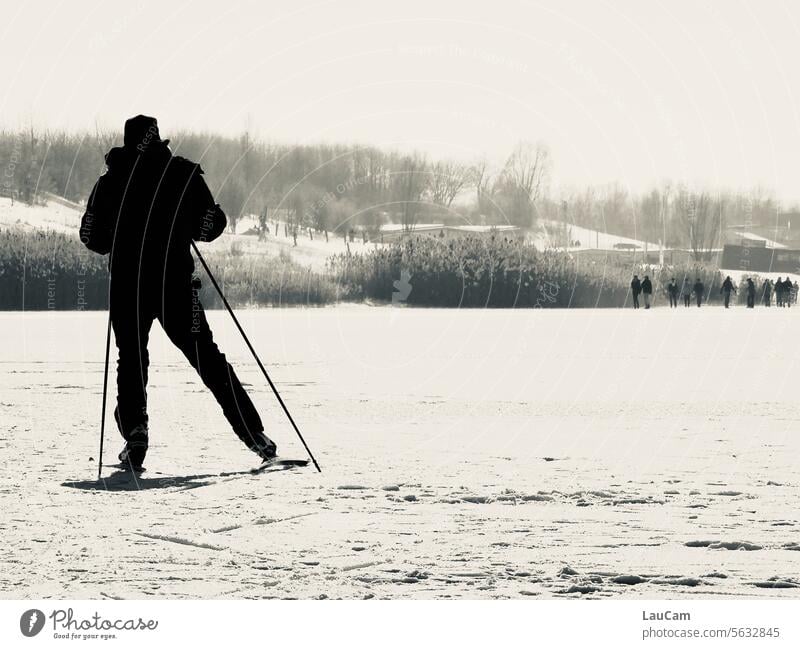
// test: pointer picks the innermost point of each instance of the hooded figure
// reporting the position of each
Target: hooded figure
(647, 290)
(636, 288)
(672, 289)
(727, 287)
(751, 293)
(687, 291)
(143, 212)
(699, 289)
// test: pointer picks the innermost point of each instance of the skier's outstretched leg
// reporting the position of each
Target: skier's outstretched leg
(185, 324)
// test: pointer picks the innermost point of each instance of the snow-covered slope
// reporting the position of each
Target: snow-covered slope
(588, 239)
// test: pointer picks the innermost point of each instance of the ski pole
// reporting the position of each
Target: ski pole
(105, 391)
(253, 352)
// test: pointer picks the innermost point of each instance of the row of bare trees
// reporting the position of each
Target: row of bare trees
(508, 196)
(672, 214)
(320, 186)
(340, 188)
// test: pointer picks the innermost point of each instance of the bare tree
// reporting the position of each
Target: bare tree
(410, 184)
(105, 138)
(651, 216)
(447, 179)
(614, 210)
(523, 180)
(485, 186)
(702, 217)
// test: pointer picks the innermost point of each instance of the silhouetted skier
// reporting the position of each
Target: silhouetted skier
(779, 292)
(672, 289)
(636, 288)
(699, 289)
(766, 292)
(751, 293)
(145, 210)
(727, 287)
(647, 290)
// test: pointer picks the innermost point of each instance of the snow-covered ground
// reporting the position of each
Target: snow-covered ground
(52, 216)
(308, 252)
(466, 453)
(588, 239)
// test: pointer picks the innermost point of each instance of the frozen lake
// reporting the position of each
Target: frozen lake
(465, 454)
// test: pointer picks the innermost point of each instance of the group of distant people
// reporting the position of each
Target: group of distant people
(784, 290)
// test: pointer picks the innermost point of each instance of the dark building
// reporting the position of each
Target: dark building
(759, 259)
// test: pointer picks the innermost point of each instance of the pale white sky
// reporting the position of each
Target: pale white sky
(632, 91)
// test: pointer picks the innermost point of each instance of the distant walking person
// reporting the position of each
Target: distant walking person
(779, 292)
(636, 288)
(144, 212)
(672, 289)
(647, 290)
(786, 293)
(687, 292)
(751, 293)
(727, 287)
(795, 288)
(699, 289)
(766, 292)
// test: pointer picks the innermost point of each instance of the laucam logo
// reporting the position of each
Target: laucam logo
(31, 622)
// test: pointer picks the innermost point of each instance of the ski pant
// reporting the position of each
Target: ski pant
(673, 300)
(635, 300)
(178, 310)
(699, 297)
(727, 298)
(687, 299)
(751, 301)
(647, 300)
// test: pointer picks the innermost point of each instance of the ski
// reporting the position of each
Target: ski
(271, 466)
(279, 464)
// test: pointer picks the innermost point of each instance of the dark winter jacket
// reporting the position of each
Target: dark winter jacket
(145, 210)
(636, 287)
(647, 286)
(699, 288)
(672, 289)
(727, 286)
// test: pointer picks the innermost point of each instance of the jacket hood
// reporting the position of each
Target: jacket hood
(122, 156)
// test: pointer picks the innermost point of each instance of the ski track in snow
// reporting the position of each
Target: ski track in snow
(624, 466)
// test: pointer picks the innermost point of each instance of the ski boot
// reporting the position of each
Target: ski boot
(135, 449)
(262, 446)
